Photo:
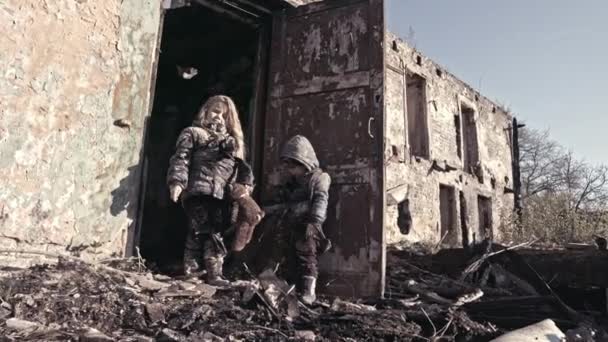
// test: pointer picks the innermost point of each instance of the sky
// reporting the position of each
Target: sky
(546, 60)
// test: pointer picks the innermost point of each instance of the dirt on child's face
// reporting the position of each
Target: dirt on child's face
(216, 114)
(292, 168)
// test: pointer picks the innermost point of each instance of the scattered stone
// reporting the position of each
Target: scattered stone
(305, 335)
(131, 282)
(6, 309)
(147, 283)
(94, 335)
(205, 290)
(168, 335)
(210, 337)
(542, 331)
(27, 299)
(340, 305)
(248, 293)
(4, 313)
(162, 277)
(155, 312)
(186, 285)
(200, 290)
(244, 283)
(20, 324)
(170, 293)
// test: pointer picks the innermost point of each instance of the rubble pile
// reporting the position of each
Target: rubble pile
(492, 284)
(123, 301)
(74, 300)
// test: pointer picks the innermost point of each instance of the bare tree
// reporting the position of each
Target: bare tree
(540, 160)
(592, 193)
(565, 198)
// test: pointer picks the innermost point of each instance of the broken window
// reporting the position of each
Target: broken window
(404, 218)
(418, 136)
(447, 210)
(484, 206)
(469, 135)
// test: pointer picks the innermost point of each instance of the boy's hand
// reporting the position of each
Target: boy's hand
(311, 230)
(174, 192)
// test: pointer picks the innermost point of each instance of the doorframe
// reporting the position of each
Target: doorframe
(259, 103)
(257, 110)
(134, 233)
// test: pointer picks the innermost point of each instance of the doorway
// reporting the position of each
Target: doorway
(464, 227)
(484, 206)
(447, 213)
(202, 53)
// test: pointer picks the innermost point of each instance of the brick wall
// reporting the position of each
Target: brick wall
(444, 92)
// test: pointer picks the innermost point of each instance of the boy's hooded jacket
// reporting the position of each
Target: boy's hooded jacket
(313, 190)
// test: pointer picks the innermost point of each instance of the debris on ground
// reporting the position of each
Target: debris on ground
(544, 331)
(123, 301)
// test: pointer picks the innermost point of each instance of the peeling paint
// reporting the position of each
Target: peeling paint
(58, 101)
(322, 87)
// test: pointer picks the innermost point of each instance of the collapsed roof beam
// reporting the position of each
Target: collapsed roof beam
(254, 5)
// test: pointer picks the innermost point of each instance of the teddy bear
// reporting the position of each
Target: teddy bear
(249, 214)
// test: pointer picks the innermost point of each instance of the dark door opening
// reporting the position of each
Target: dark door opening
(484, 206)
(447, 211)
(203, 53)
(463, 220)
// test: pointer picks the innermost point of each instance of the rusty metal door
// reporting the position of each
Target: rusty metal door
(326, 83)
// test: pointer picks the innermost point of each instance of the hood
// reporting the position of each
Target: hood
(300, 149)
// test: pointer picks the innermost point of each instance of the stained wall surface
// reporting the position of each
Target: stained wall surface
(74, 94)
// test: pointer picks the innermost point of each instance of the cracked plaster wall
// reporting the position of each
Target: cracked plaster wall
(69, 177)
(443, 94)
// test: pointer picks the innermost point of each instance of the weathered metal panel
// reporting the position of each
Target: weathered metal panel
(326, 82)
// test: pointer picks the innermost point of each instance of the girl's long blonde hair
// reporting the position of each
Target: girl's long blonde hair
(233, 124)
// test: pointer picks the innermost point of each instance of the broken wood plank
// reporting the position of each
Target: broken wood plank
(415, 288)
(474, 266)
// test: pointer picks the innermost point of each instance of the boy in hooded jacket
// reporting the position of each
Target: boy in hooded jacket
(305, 194)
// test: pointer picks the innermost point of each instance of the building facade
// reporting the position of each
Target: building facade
(448, 154)
(91, 106)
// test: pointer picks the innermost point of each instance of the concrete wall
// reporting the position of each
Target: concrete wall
(405, 172)
(70, 68)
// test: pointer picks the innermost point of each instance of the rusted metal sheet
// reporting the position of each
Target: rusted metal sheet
(326, 82)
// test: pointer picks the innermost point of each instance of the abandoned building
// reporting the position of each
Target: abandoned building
(448, 154)
(94, 94)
